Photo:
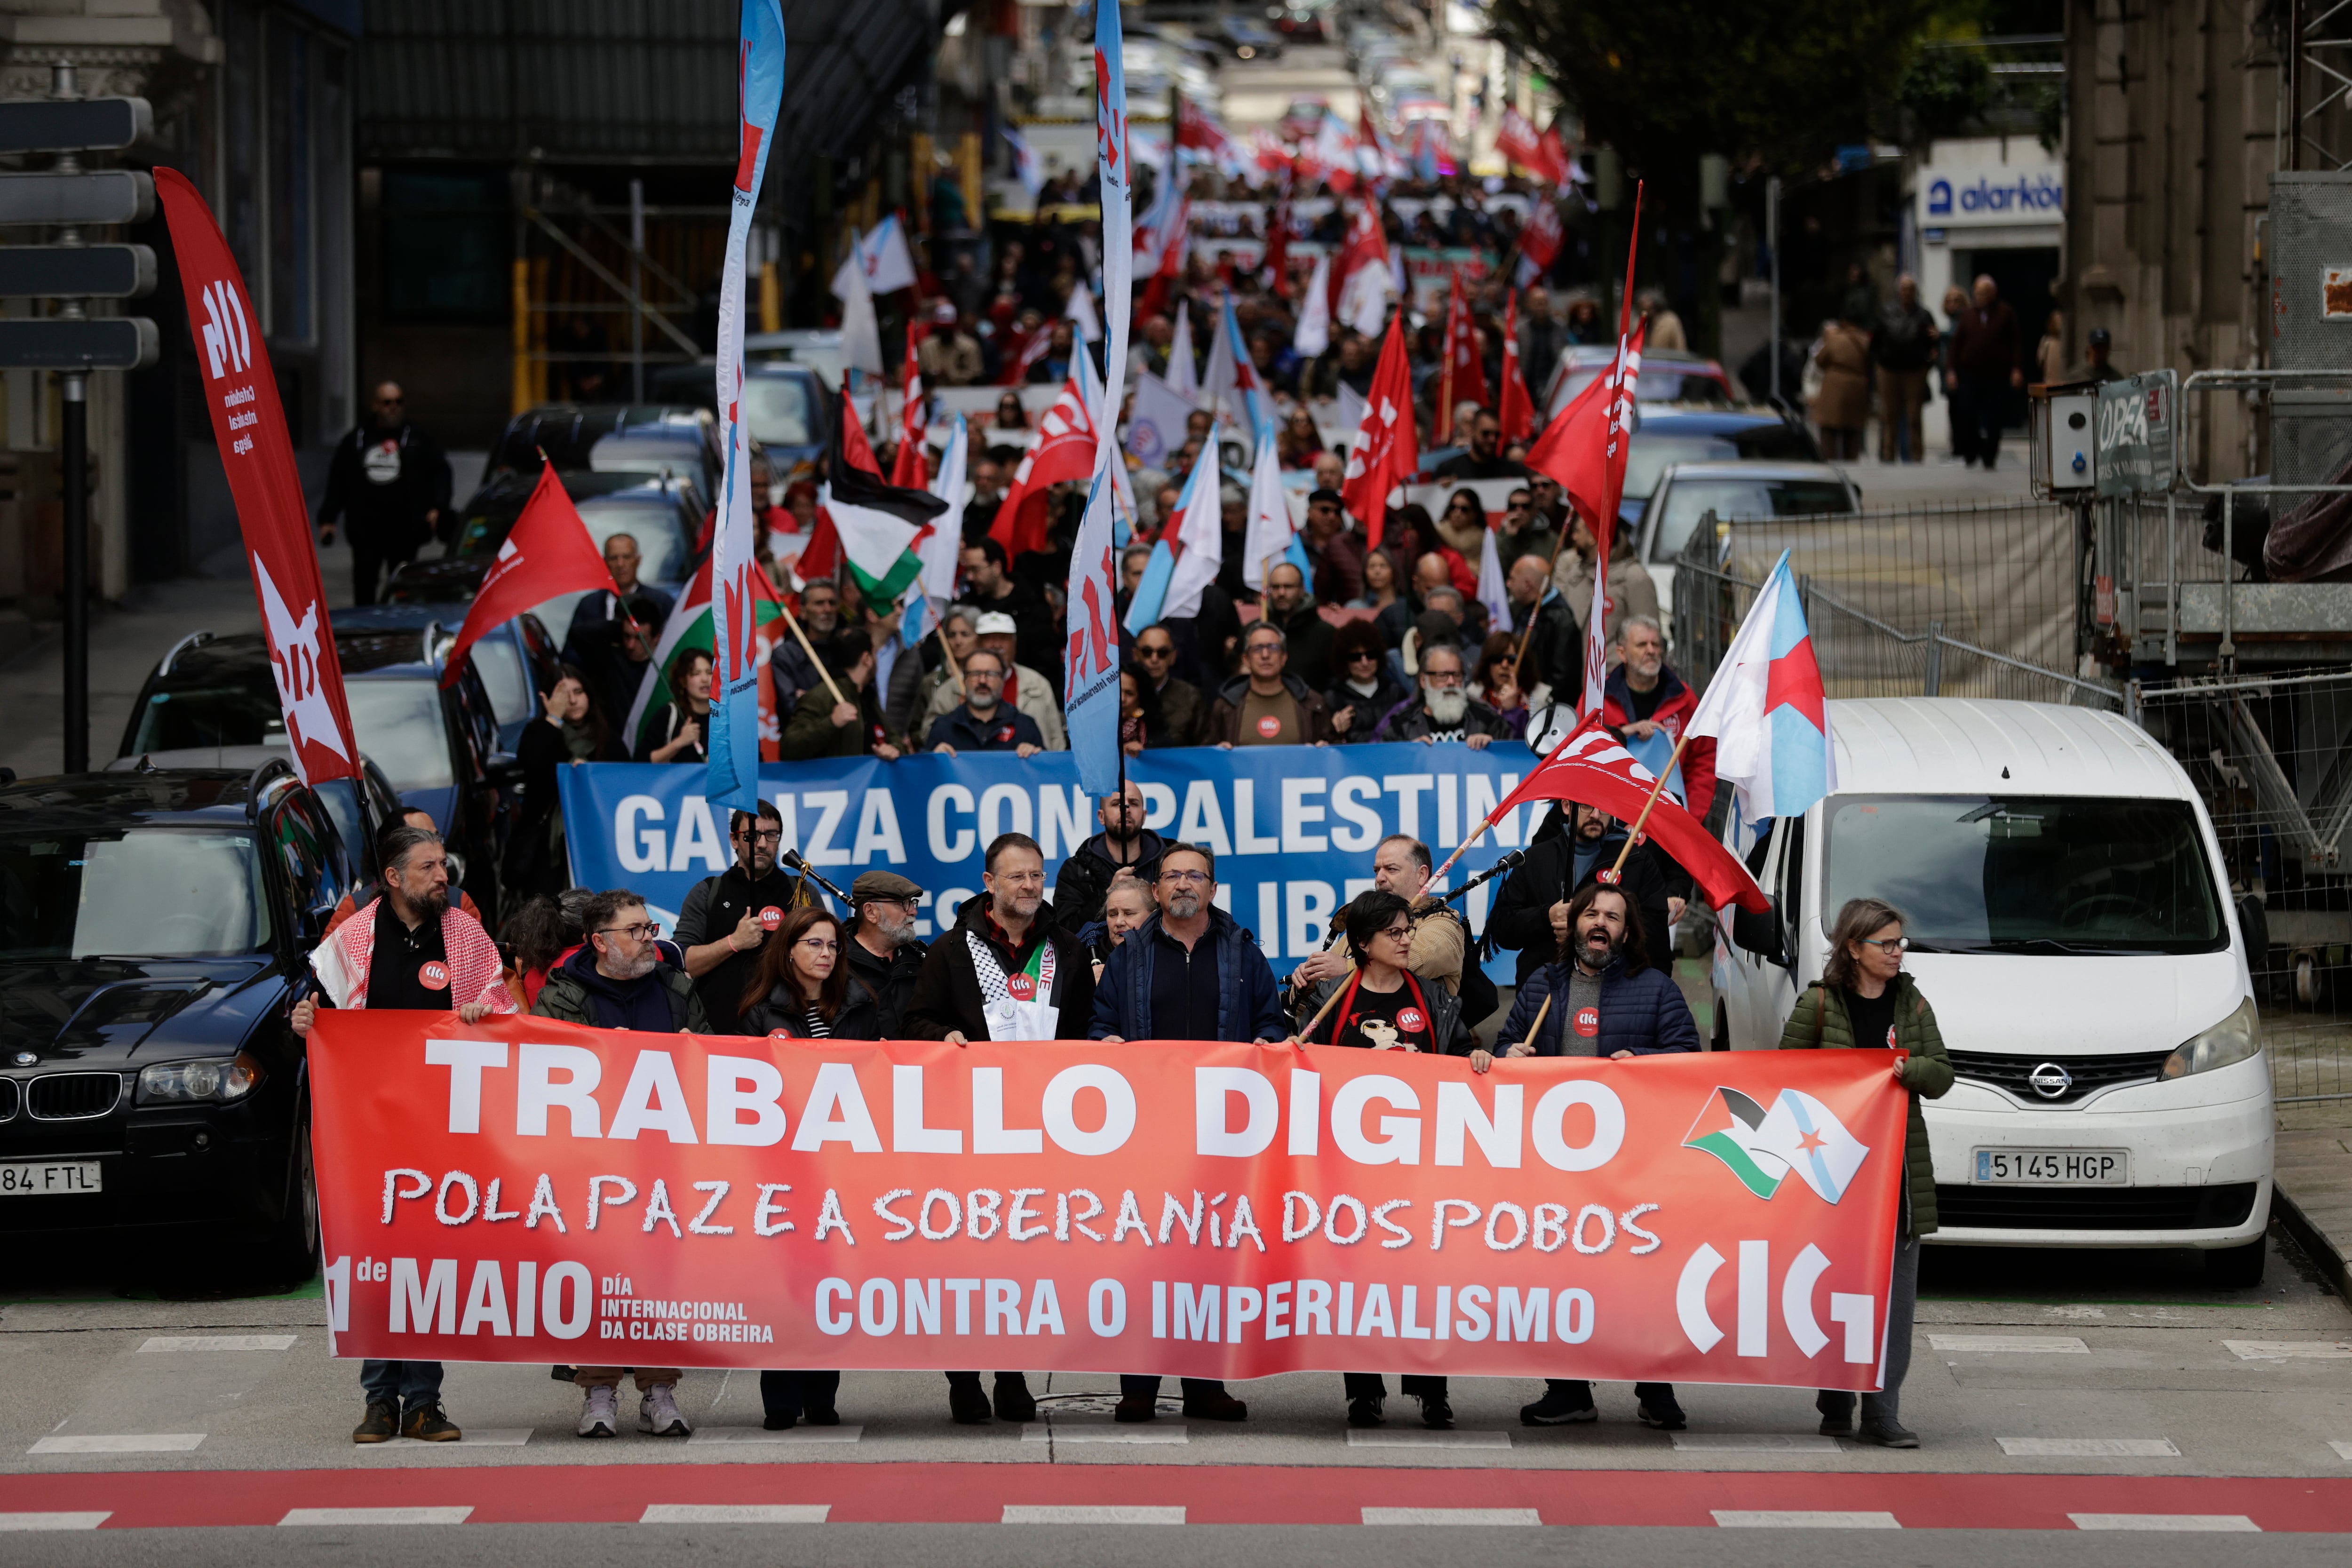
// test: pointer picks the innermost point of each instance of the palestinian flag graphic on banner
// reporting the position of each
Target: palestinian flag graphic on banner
(1799, 1134)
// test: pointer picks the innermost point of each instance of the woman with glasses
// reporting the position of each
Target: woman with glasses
(1383, 1007)
(1865, 1001)
(800, 989)
(1463, 526)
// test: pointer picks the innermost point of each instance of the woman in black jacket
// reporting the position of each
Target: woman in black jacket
(802, 990)
(1362, 688)
(1383, 1006)
(571, 727)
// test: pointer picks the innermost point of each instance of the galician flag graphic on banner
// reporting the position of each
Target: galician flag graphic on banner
(1763, 1147)
(1090, 667)
(734, 738)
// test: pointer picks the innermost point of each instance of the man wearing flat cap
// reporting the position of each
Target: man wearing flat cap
(883, 951)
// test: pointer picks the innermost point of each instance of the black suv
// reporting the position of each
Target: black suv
(154, 927)
(439, 748)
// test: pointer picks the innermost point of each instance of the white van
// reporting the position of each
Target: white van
(2069, 919)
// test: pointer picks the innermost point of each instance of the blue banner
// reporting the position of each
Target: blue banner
(1293, 827)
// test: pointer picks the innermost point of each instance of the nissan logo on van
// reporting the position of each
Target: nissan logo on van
(2049, 1080)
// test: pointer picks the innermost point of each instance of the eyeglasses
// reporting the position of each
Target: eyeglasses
(818, 944)
(1441, 677)
(1154, 653)
(1396, 933)
(1269, 646)
(766, 835)
(1888, 945)
(1364, 656)
(1201, 877)
(643, 930)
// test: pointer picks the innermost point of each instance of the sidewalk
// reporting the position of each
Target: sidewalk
(2315, 1197)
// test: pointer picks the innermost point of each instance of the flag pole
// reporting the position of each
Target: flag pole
(955, 670)
(1536, 1027)
(807, 647)
(1464, 847)
(1657, 789)
(1520, 658)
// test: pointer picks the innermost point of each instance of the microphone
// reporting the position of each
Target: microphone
(1507, 863)
(789, 859)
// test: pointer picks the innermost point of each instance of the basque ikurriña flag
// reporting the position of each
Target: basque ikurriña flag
(734, 738)
(1091, 700)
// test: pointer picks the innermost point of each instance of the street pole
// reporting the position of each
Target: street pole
(1772, 243)
(75, 455)
(637, 292)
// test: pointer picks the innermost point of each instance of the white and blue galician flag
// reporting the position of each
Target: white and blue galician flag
(1025, 164)
(1090, 701)
(1767, 709)
(1151, 593)
(1272, 537)
(734, 773)
(939, 550)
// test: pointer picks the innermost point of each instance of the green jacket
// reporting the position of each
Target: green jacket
(1820, 1022)
(565, 1000)
(809, 732)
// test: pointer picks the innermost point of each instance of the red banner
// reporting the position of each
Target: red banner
(524, 1190)
(249, 427)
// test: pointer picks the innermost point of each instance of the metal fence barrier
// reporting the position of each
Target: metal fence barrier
(2271, 758)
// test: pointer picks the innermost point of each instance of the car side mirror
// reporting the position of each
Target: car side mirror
(1760, 932)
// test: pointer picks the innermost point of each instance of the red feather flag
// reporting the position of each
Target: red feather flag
(1386, 449)
(1518, 413)
(1064, 450)
(1593, 767)
(548, 552)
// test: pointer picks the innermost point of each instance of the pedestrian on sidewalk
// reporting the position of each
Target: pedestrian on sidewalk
(620, 980)
(1903, 345)
(1842, 408)
(388, 483)
(1957, 413)
(1865, 1001)
(414, 951)
(1991, 362)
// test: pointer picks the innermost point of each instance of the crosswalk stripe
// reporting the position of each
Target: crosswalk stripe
(340, 1516)
(89, 1521)
(735, 1513)
(1451, 1516)
(2236, 1522)
(1071, 1514)
(1803, 1519)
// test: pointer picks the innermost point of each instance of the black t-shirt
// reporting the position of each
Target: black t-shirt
(1639, 705)
(409, 969)
(1397, 1021)
(1873, 1018)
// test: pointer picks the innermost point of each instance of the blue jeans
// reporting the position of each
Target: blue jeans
(408, 1384)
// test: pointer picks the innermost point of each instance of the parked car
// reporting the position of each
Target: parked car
(1667, 435)
(1668, 375)
(679, 440)
(1687, 492)
(360, 808)
(517, 661)
(2065, 902)
(151, 947)
(489, 514)
(439, 749)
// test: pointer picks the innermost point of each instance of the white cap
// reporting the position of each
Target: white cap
(996, 623)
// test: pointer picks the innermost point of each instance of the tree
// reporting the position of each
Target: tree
(1664, 82)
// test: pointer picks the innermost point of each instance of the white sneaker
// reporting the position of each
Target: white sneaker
(657, 1412)
(600, 1413)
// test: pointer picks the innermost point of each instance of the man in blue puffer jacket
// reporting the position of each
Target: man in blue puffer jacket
(1189, 972)
(1602, 999)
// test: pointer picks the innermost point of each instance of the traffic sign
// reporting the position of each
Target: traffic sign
(72, 124)
(76, 272)
(109, 195)
(105, 343)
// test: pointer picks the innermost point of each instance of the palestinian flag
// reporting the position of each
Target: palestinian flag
(1763, 1148)
(689, 627)
(877, 523)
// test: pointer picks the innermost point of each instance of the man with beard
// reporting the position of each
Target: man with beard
(1123, 843)
(1575, 845)
(820, 617)
(883, 950)
(617, 979)
(1189, 972)
(1605, 1000)
(1445, 712)
(727, 919)
(1002, 973)
(414, 952)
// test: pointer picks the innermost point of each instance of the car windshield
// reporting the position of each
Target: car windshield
(661, 550)
(499, 662)
(132, 892)
(1653, 451)
(777, 413)
(1688, 501)
(2059, 874)
(185, 718)
(400, 725)
(1654, 386)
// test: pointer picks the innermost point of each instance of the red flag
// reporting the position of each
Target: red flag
(1518, 413)
(1584, 449)
(1366, 246)
(249, 427)
(1516, 140)
(1465, 376)
(1591, 767)
(1386, 450)
(548, 552)
(1539, 241)
(1552, 160)
(854, 444)
(1064, 450)
(910, 468)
